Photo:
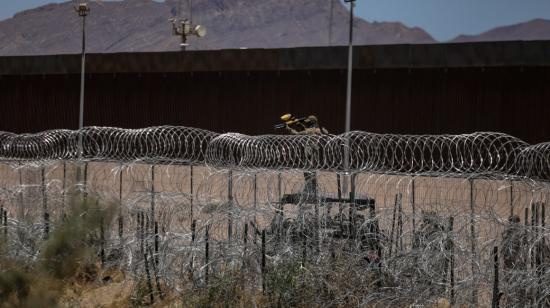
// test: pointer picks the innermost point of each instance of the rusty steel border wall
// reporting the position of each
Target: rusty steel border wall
(406, 89)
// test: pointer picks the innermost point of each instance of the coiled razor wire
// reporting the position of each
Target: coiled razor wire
(477, 153)
(408, 220)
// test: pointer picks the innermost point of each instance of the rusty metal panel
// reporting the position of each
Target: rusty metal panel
(247, 90)
(406, 101)
(532, 52)
(394, 56)
(504, 54)
(426, 56)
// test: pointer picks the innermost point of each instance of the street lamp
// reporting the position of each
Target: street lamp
(185, 29)
(350, 66)
(82, 9)
(348, 96)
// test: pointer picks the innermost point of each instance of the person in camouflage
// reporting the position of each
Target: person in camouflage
(308, 126)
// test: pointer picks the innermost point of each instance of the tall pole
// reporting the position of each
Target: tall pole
(348, 96)
(82, 79)
(82, 11)
(350, 68)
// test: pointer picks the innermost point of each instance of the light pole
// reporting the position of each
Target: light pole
(82, 9)
(348, 94)
(185, 29)
(350, 66)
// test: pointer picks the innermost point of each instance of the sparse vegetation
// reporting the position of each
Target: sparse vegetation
(68, 257)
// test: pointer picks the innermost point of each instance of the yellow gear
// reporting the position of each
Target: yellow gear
(286, 117)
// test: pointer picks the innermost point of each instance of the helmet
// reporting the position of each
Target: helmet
(286, 117)
(312, 119)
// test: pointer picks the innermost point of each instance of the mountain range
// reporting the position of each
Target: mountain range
(536, 29)
(143, 25)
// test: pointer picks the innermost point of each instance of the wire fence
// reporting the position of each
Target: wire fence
(414, 220)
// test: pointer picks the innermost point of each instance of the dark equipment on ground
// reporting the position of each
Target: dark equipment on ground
(309, 195)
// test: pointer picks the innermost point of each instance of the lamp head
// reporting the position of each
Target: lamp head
(200, 31)
(82, 9)
(186, 27)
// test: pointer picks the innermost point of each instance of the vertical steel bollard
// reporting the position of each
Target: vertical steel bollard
(142, 231)
(191, 190)
(149, 283)
(263, 262)
(20, 194)
(413, 206)
(193, 230)
(6, 224)
(511, 198)
(245, 242)
(45, 205)
(281, 209)
(496, 292)
(542, 256)
(400, 224)
(157, 279)
(255, 205)
(206, 257)
(526, 239)
(2, 219)
(304, 248)
(146, 230)
(543, 215)
(46, 225)
(85, 183)
(120, 228)
(157, 244)
(120, 217)
(64, 185)
(340, 203)
(152, 195)
(317, 227)
(245, 237)
(352, 208)
(474, 300)
(102, 242)
(452, 259)
(192, 261)
(230, 202)
(533, 236)
(393, 226)
(537, 251)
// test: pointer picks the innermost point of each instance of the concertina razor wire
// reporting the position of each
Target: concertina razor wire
(477, 153)
(415, 219)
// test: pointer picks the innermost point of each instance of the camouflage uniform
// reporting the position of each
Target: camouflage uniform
(308, 127)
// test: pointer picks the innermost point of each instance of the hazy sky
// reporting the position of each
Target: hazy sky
(443, 19)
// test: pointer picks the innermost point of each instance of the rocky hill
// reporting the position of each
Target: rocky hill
(536, 29)
(142, 25)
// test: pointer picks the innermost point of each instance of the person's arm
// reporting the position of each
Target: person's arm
(292, 130)
(312, 131)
